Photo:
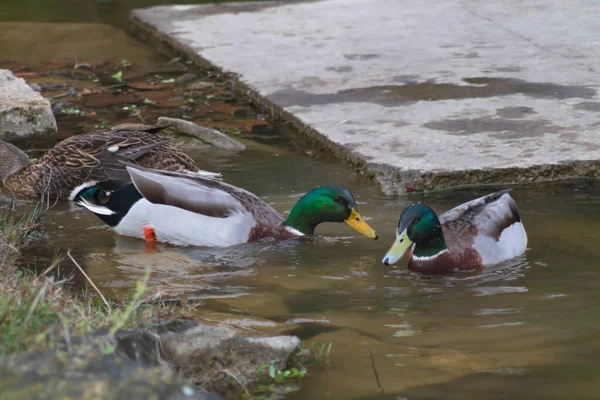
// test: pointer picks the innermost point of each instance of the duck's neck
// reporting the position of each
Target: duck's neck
(300, 225)
(432, 247)
(302, 219)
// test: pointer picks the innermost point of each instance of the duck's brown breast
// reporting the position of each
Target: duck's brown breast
(23, 182)
(447, 262)
(261, 231)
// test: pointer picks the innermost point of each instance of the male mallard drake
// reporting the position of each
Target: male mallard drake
(78, 159)
(191, 210)
(480, 232)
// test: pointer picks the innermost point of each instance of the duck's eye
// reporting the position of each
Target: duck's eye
(338, 200)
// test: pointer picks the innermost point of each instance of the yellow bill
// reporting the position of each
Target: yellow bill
(401, 244)
(356, 222)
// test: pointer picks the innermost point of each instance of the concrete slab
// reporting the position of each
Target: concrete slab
(23, 112)
(424, 95)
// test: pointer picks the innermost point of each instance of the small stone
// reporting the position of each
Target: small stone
(200, 85)
(23, 111)
(188, 77)
(207, 135)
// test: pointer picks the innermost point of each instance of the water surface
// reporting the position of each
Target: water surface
(524, 329)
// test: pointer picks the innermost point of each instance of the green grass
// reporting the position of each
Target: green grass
(38, 313)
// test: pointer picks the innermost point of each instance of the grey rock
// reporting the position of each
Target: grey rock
(23, 111)
(217, 348)
(140, 364)
(35, 87)
(91, 370)
(181, 127)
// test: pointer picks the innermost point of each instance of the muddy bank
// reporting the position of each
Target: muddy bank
(95, 93)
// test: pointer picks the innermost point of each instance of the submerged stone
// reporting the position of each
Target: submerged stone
(184, 130)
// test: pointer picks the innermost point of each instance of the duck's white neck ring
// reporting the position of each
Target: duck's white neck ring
(293, 231)
(429, 258)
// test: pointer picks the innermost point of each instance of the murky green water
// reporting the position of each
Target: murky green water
(521, 330)
(526, 329)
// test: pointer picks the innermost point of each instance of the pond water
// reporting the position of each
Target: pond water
(524, 329)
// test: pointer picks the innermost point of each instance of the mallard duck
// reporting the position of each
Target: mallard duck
(78, 159)
(193, 210)
(478, 233)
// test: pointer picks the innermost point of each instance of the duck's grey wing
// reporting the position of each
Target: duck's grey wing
(200, 194)
(183, 192)
(488, 215)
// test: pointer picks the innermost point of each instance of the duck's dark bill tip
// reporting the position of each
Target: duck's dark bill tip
(386, 261)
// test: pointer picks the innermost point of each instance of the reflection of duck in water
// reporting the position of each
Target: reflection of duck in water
(193, 210)
(80, 159)
(480, 232)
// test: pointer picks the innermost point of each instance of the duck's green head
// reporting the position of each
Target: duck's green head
(418, 224)
(328, 203)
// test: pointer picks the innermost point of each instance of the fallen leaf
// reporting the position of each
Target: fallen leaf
(107, 99)
(118, 76)
(29, 74)
(224, 108)
(159, 96)
(94, 62)
(200, 85)
(147, 86)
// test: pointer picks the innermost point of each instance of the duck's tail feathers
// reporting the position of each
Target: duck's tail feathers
(89, 197)
(79, 190)
(494, 196)
(96, 209)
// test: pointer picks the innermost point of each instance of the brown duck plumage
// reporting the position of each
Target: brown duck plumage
(79, 159)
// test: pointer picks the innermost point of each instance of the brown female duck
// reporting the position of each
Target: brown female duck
(79, 160)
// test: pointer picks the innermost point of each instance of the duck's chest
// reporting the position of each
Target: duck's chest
(23, 183)
(261, 231)
(446, 262)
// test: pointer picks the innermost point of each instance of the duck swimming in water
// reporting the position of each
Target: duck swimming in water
(193, 210)
(79, 159)
(481, 232)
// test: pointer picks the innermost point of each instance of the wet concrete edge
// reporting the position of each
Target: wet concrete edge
(393, 181)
